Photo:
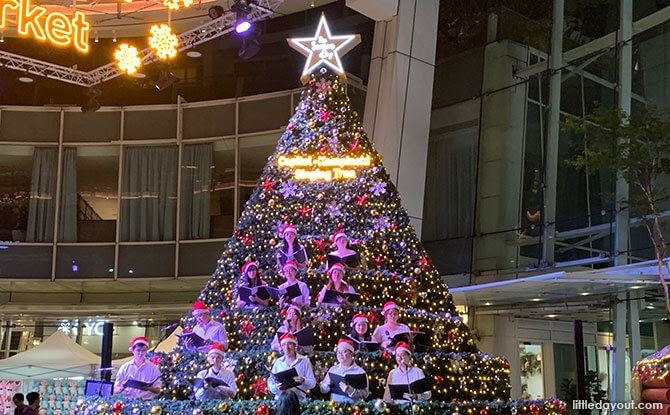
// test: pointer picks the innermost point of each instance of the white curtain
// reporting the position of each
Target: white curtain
(149, 194)
(42, 195)
(67, 227)
(450, 185)
(196, 187)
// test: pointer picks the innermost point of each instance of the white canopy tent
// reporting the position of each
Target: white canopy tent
(165, 346)
(57, 357)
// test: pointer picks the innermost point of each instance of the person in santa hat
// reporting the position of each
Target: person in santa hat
(343, 254)
(405, 374)
(384, 334)
(292, 324)
(291, 359)
(215, 358)
(211, 331)
(250, 279)
(360, 328)
(290, 271)
(139, 369)
(291, 249)
(336, 282)
(346, 366)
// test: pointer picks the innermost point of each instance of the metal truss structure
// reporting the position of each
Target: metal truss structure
(201, 34)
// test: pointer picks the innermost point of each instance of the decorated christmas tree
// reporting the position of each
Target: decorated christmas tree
(326, 177)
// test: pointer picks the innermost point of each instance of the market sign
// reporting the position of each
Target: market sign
(323, 167)
(56, 28)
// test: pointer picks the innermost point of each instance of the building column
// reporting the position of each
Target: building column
(619, 362)
(399, 97)
(634, 305)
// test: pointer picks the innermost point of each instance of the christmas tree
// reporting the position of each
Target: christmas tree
(324, 177)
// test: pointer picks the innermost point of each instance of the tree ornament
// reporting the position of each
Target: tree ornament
(483, 411)
(223, 406)
(271, 202)
(156, 360)
(247, 327)
(386, 355)
(80, 403)
(416, 408)
(260, 386)
(417, 270)
(197, 411)
(380, 405)
(156, 410)
(100, 408)
(241, 377)
(273, 241)
(262, 410)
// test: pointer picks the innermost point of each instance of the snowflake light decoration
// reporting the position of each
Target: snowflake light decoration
(163, 41)
(127, 58)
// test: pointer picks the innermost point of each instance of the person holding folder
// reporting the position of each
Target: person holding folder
(346, 381)
(384, 334)
(210, 331)
(336, 283)
(291, 249)
(360, 328)
(292, 324)
(215, 382)
(343, 255)
(138, 378)
(406, 383)
(291, 371)
(251, 279)
(293, 291)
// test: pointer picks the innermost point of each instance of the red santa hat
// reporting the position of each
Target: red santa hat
(288, 228)
(344, 344)
(390, 305)
(290, 264)
(217, 348)
(246, 266)
(292, 307)
(337, 235)
(287, 338)
(199, 308)
(402, 347)
(359, 318)
(138, 340)
(336, 266)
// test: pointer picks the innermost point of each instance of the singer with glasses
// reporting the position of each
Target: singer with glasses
(384, 334)
(344, 391)
(146, 376)
(215, 382)
(405, 374)
(303, 379)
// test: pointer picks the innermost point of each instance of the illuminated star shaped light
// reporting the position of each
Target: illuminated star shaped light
(323, 48)
(127, 58)
(163, 41)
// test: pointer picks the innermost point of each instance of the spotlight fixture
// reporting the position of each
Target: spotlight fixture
(165, 80)
(92, 103)
(215, 12)
(114, 38)
(242, 10)
(249, 49)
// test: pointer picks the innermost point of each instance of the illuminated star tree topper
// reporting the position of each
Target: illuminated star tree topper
(323, 48)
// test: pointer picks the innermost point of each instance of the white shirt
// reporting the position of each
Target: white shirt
(353, 394)
(146, 372)
(302, 366)
(382, 333)
(212, 331)
(216, 393)
(399, 377)
(304, 297)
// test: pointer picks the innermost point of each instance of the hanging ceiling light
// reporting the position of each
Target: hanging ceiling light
(165, 80)
(242, 10)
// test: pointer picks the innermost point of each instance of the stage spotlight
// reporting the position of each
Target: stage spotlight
(92, 103)
(249, 49)
(165, 80)
(242, 10)
(215, 12)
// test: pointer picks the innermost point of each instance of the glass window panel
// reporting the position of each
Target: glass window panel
(199, 259)
(530, 360)
(30, 126)
(13, 260)
(265, 114)
(95, 194)
(16, 167)
(133, 261)
(100, 126)
(147, 125)
(85, 262)
(210, 121)
(565, 368)
(254, 153)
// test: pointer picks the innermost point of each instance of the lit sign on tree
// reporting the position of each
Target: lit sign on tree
(323, 167)
(55, 27)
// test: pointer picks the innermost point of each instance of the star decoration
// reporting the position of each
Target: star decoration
(247, 240)
(323, 86)
(247, 327)
(379, 261)
(174, 4)
(163, 41)
(332, 209)
(325, 115)
(323, 48)
(361, 200)
(267, 185)
(304, 210)
(372, 316)
(354, 145)
(378, 188)
(288, 189)
(423, 262)
(127, 58)
(260, 386)
(321, 245)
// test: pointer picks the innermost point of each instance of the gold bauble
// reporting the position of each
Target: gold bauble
(273, 241)
(223, 407)
(319, 196)
(417, 270)
(271, 202)
(156, 410)
(385, 247)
